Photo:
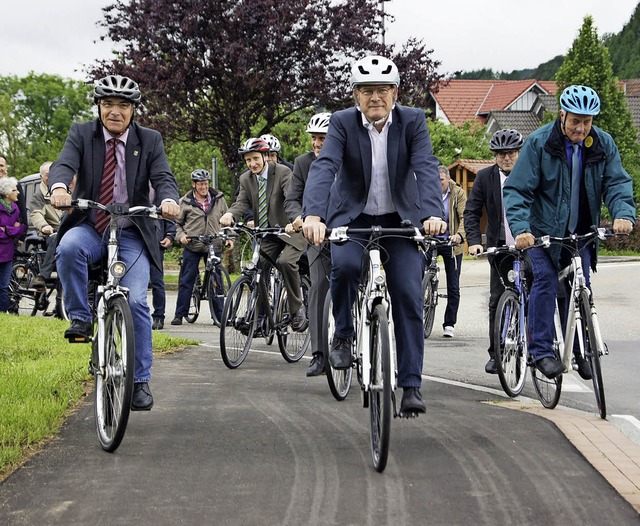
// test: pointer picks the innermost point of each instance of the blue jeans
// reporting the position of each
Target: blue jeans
(5, 279)
(542, 300)
(188, 273)
(452, 268)
(81, 247)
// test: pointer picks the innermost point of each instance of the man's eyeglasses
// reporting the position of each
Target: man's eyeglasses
(368, 92)
(108, 105)
(511, 153)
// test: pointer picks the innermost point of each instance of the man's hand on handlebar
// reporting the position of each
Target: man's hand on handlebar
(60, 198)
(475, 250)
(314, 229)
(169, 209)
(525, 240)
(622, 226)
(434, 226)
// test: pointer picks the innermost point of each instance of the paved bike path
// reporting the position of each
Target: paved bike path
(265, 445)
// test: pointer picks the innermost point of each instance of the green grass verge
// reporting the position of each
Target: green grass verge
(42, 377)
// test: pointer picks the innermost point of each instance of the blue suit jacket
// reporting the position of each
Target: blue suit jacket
(413, 169)
(83, 153)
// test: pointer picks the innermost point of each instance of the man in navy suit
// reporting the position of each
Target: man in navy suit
(377, 167)
(140, 162)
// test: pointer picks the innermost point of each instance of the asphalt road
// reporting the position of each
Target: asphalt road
(263, 444)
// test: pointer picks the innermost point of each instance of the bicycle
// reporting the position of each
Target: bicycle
(23, 297)
(373, 353)
(112, 345)
(430, 282)
(212, 285)
(241, 312)
(581, 326)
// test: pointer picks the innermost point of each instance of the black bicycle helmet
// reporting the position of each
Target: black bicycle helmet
(506, 140)
(117, 86)
(200, 175)
(254, 145)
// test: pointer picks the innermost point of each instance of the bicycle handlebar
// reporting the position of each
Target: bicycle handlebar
(256, 231)
(340, 234)
(117, 209)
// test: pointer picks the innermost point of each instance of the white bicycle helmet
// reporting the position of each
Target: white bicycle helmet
(319, 123)
(117, 86)
(274, 144)
(374, 70)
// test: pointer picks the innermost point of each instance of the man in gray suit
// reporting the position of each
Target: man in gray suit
(387, 176)
(285, 251)
(90, 150)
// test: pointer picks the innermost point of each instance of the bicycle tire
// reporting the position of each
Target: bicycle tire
(217, 290)
(293, 345)
(194, 301)
(429, 302)
(380, 403)
(22, 300)
(339, 380)
(592, 353)
(114, 386)
(239, 321)
(547, 390)
(60, 310)
(509, 344)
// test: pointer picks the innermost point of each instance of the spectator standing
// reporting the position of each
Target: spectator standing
(10, 230)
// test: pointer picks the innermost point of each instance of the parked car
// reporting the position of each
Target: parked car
(27, 187)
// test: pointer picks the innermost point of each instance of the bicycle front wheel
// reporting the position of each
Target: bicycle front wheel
(510, 343)
(293, 345)
(380, 388)
(239, 321)
(339, 380)
(430, 300)
(114, 383)
(218, 286)
(592, 353)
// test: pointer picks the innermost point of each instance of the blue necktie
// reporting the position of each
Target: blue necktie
(575, 188)
(263, 221)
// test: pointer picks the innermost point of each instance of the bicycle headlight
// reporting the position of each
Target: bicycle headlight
(511, 276)
(118, 269)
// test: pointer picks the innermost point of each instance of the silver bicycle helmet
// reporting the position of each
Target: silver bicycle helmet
(117, 86)
(319, 123)
(506, 140)
(200, 175)
(374, 70)
(274, 144)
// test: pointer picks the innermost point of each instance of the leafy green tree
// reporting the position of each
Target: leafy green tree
(36, 113)
(624, 48)
(588, 63)
(451, 142)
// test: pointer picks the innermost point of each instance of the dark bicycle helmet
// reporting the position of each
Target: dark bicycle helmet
(580, 100)
(200, 175)
(117, 86)
(506, 140)
(254, 145)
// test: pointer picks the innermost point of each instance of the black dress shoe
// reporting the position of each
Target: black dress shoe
(142, 399)
(584, 368)
(340, 355)
(412, 401)
(79, 331)
(158, 324)
(491, 366)
(177, 320)
(300, 322)
(550, 367)
(316, 367)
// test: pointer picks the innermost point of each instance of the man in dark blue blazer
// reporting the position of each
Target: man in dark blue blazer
(377, 168)
(140, 163)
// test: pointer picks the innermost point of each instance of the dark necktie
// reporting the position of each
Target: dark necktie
(263, 221)
(575, 188)
(107, 185)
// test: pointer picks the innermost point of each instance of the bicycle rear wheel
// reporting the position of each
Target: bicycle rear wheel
(239, 321)
(592, 353)
(218, 286)
(22, 299)
(510, 344)
(380, 388)
(194, 302)
(547, 390)
(293, 345)
(339, 380)
(430, 300)
(114, 384)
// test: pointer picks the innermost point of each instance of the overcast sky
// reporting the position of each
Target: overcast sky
(60, 37)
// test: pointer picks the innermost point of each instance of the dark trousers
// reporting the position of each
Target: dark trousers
(320, 275)
(5, 280)
(49, 260)
(452, 267)
(286, 258)
(403, 266)
(158, 294)
(500, 266)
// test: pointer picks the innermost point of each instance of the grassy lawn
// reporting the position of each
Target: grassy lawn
(42, 378)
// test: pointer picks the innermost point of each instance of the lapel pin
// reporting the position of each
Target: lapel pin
(135, 153)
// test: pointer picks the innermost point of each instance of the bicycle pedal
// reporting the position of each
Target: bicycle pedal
(79, 339)
(409, 414)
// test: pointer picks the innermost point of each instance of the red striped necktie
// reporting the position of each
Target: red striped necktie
(107, 185)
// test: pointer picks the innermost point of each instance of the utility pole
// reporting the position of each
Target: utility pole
(383, 30)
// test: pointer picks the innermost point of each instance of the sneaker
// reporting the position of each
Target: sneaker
(316, 367)
(340, 355)
(448, 332)
(158, 324)
(177, 320)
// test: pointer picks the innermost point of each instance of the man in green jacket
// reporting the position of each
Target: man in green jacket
(544, 195)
